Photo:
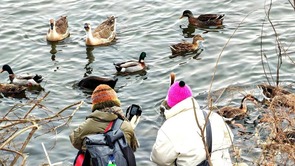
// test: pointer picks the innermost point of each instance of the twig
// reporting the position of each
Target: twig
(18, 153)
(18, 133)
(219, 56)
(25, 143)
(46, 154)
(202, 129)
(39, 101)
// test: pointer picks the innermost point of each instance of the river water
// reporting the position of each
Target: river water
(231, 54)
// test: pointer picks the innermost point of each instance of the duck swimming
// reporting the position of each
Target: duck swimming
(92, 82)
(12, 90)
(26, 80)
(186, 47)
(58, 29)
(270, 91)
(132, 66)
(104, 34)
(204, 20)
(237, 112)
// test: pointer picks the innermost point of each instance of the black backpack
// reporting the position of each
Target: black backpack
(109, 148)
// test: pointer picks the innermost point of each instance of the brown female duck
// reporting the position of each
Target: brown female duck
(186, 47)
(237, 112)
(12, 90)
(204, 20)
(271, 91)
(58, 29)
(277, 97)
(104, 34)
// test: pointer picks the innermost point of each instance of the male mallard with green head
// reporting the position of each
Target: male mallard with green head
(204, 20)
(132, 66)
(186, 47)
(58, 29)
(104, 34)
(26, 79)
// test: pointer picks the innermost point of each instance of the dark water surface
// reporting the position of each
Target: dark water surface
(150, 26)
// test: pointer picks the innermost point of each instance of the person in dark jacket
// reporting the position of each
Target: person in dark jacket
(105, 109)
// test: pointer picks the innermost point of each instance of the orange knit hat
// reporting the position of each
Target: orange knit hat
(104, 96)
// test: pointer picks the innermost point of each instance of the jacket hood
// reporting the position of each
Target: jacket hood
(182, 106)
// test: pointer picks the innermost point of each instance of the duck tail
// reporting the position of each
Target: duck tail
(113, 83)
(172, 48)
(38, 78)
(118, 68)
(221, 17)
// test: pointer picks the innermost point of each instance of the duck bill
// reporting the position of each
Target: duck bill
(1, 71)
(86, 27)
(51, 26)
(181, 17)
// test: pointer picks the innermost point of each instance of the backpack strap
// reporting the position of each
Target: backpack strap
(108, 127)
(208, 134)
(117, 124)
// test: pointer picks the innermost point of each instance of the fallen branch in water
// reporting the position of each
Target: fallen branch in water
(14, 128)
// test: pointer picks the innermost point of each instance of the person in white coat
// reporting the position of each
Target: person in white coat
(179, 140)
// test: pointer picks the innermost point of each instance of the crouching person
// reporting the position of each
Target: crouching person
(105, 110)
(179, 141)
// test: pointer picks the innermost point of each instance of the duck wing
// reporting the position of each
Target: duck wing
(106, 29)
(210, 17)
(62, 25)
(127, 64)
(181, 48)
(37, 78)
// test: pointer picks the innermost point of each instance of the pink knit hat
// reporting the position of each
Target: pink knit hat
(178, 92)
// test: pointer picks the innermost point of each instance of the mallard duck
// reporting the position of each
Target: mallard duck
(58, 29)
(186, 47)
(104, 34)
(12, 89)
(271, 91)
(238, 113)
(26, 79)
(204, 20)
(92, 82)
(276, 97)
(132, 65)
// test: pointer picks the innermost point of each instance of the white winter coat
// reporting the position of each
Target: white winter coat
(179, 142)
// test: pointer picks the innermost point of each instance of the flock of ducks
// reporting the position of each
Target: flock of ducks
(105, 34)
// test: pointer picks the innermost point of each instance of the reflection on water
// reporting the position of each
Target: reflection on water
(53, 50)
(90, 58)
(188, 32)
